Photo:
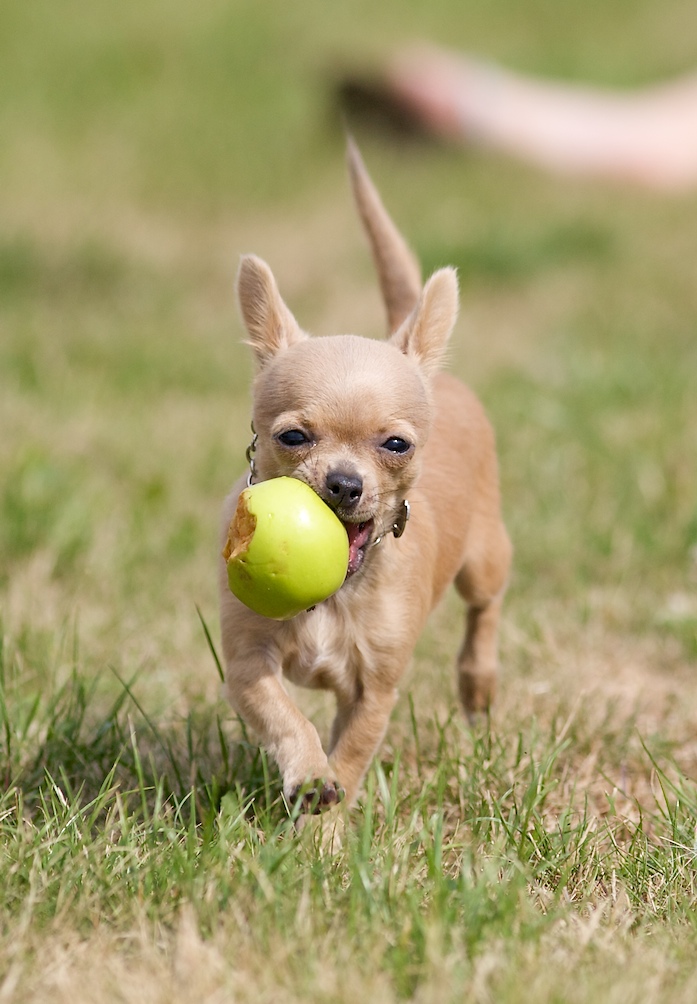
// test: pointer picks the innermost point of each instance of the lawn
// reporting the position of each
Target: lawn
(146, 854)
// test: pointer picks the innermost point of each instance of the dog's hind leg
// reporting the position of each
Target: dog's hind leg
(482, 583)
(477, 669)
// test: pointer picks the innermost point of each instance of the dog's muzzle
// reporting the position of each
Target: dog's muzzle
(397, 529)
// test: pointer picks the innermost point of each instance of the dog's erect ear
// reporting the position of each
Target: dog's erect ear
(270, 324)
(425, 333)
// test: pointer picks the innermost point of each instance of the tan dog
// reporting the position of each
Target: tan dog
(368, 425)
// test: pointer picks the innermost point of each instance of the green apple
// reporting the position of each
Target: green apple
(286, 550)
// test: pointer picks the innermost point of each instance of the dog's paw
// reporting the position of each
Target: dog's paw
(324, 831)
(315, 796)
(477, 691)
(479, 721)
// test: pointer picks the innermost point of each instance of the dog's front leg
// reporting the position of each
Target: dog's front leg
(259, 697)
(357, 732)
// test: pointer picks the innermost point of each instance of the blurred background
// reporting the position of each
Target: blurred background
(144, 146)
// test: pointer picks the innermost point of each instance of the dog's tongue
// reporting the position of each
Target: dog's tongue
(358, 534)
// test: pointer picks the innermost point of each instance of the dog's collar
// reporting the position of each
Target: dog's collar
(397, 528)
(251, 449)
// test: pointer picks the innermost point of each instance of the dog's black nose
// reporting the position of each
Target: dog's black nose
(343, 490)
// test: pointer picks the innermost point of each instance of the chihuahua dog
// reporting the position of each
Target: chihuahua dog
(383, 438)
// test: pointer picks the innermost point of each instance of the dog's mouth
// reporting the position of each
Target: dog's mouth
(359, 536)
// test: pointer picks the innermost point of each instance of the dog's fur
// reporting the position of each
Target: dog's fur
(367, 424)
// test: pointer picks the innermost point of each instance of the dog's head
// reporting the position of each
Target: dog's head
(345, 414)
(349, 415)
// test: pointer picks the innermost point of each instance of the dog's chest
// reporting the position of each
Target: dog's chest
(325, 651)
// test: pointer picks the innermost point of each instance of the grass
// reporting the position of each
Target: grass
(145, 851)
(167, 847)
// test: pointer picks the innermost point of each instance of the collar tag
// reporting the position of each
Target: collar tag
(400, 523)
(250, 457)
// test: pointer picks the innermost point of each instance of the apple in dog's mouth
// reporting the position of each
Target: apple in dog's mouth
(359, 537)
(286, 550)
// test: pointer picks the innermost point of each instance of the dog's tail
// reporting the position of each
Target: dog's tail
(398, 270)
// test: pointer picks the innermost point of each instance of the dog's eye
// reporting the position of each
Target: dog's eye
(292, 437)
(396, 445)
